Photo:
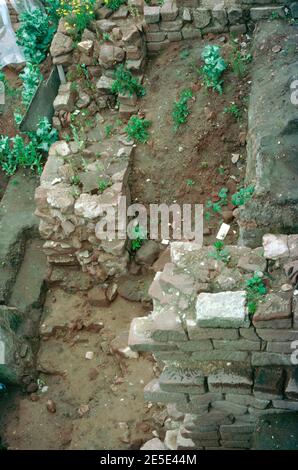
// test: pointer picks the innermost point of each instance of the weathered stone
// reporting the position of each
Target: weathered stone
(189, 32)
(269, 381)
(219, 14)
(271, 308)
(249, 333)
(148, 253)
(171, 25)
(248, 400)
(110, 55)
(230, 381)
(275, 246)
(169, 10)
(278, 335)
(217, 355)
(201, 17)
(105, 84)
(229, 408)
(61, 44)
(97, 297)
(60, 198)
(88, 206)
(291, 390)
(153, 444)
(279, 347)
(153, 392)
(202, 345)
(186, 15)
(140, 337)
(235, 15)
(222, 310)
(261, 13)
(240, 345)
(286, 404)
(196, 333)
(151, 14)
(270, 359)
(175, 379)
(86, 47)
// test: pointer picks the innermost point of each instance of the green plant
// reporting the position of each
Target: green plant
(184, 54)
(255, 290)
(8, 89)
(31, 77)
(108, 130)
(239, 61)
(180, 110)
(106, 37)
(77, 14)
(190, 182)
(234, 110)
(138, 235)
(242, 196)
(27, 151)
(213, 69)
(35, 34)
(75, 180)
(216, 207)
(114, 4)
(126, 84)
(220, 253)
(137, 128)
(103, 184)
(76, 136)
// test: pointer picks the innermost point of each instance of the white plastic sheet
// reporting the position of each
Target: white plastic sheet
(26, 5)
(10, 52)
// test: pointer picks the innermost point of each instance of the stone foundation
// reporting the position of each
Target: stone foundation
(222, 369)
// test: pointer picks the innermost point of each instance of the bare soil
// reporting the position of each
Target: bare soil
(193, 164)
(99, 402)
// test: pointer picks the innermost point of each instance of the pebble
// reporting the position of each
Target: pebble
(286, 287)
(89, 355)
(276, 48)
(83, 409)
(51, 406)
(235, 157)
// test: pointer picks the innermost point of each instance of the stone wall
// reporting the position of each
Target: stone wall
(69, 200)
(221, 369)
(189, 19)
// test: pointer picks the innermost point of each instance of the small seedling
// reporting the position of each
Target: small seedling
(190, 182)
(213, 69)
(137, 128)
(75, 180)
(243, 195)
(138, 235)
(239, 61)
(255, 289)
(234, 110)
(103, 184)
(220, 253)
(108, 130)
(216, 207)
(180, 110)
(106, 37)
(184, 54)
(126, 84)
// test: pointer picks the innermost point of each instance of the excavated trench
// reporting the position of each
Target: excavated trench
(89, 391)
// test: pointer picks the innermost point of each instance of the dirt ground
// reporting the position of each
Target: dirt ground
(99, 401)
(192, 165)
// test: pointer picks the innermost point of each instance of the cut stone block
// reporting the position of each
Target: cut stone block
(140, 337)
(269, 381)
(151, 14)
(230, 381)
(248, 400)
(240, 345)
(182, 380)
(229, 408)
(275, 246)
(222, 310)
(270, 359)
(196, 333)
(153, 392)
(217, 355)
(273, 307)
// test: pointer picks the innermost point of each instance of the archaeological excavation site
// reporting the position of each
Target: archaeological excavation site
(149, 225)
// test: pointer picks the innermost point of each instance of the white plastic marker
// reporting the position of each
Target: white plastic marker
(223, 231)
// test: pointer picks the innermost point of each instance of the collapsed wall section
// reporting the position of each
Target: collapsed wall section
(223, 369)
